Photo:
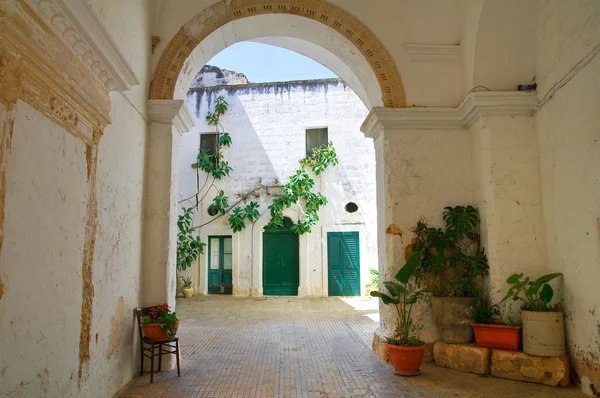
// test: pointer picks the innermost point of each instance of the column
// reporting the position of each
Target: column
(169, 119)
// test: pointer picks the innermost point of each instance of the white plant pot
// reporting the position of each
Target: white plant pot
(544, 333)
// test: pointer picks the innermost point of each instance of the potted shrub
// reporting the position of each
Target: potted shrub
(543, 323)
(405, 349)
(455, 264)
(490, 332)
(160, 323)
(188, 290)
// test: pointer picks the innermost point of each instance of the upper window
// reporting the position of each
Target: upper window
(208, 143)
(315, 138)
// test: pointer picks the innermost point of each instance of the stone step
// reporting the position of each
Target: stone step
(550, 371)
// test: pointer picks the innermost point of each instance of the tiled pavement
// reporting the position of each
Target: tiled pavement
(292, 347)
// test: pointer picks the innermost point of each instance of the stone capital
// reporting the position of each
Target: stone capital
(475, 105)
(171, 112)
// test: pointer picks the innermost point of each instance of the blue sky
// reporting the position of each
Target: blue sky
(265, 63)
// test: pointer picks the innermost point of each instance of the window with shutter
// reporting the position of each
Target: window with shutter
(315, 138)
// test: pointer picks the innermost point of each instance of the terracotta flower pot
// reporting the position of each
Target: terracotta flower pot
(152, 331)
(406, 360)
(500, 337)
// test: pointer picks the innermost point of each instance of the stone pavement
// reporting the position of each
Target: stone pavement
(292, 347)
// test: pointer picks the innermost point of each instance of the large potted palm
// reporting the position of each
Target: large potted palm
(543, 323)
(454, 264)
(405, 348)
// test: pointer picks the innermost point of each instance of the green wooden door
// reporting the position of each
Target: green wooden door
(281, 266)
(343, 263)
(219, 264)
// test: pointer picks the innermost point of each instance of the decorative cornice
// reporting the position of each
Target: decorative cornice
(433, 52)
(171, 112)
(38, 68)
(76, 24)
(474, 106)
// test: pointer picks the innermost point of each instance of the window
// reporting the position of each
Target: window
(315, 138)
(208, 143)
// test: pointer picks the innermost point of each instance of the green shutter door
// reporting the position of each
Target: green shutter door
(343, 263)
(219, 264)
(281, 266)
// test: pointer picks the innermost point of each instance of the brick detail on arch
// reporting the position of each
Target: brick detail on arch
(198, 28)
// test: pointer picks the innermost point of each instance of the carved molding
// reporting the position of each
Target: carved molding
(173, 112)
(472, 108)
(37, 67)
(75, 23)
(198, 28)
(433, 52)
(155, 41)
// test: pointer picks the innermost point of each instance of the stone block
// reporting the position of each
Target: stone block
(462, 357)
(551, 371)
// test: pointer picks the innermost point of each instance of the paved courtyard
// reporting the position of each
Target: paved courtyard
(291, 347)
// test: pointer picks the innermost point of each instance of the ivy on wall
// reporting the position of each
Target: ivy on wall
(297, 192)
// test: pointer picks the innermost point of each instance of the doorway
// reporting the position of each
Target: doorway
(219, 265)
(281, 265)
(343, 263)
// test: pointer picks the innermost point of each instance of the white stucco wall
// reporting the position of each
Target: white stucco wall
(267, 124)
(568, 136)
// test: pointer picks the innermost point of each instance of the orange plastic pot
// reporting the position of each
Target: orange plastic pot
(152, 331)
(406, 360)
(500, 337)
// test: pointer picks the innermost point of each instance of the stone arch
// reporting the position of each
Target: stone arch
(210, 19)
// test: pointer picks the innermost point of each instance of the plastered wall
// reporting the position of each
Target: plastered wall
(267, 124)
(568, 40)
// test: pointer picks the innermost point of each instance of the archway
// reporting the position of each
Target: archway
(299, 20)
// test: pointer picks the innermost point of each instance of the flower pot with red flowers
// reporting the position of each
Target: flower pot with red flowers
(405, 349)
(490, 332)
(160, 323)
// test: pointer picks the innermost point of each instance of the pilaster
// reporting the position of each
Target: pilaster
(169, 120)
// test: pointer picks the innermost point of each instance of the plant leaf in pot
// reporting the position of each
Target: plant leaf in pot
(543, 323)
(490, 332)
(405, 349)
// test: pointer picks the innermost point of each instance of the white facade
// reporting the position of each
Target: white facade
(267, 124)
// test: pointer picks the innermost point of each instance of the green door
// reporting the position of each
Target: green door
(281, 266)
(219, 264)
(343, 263)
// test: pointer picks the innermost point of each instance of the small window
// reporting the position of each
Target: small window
(208, 143)
(315, 138)
(351, 207)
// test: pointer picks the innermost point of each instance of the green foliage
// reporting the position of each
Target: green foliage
(374, 278)
(186, 282)
(538, 293)
(188, 245)
(220, 204)
(298, 191)
(452, 257)
(508, 321)
(403, 296)
(214, 163)
(220, 107)
(162, 315)
(484, 313)
(239, 214)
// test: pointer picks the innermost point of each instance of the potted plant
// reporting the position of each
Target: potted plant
(188, 290)
(490, 332)
(455, 264)
(405, 349)
(543, 323)
(160, 323)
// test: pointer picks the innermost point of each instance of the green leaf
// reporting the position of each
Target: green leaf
(546, 294)
(547, 278)
(409, 268)
(514, 278)
(385, 298)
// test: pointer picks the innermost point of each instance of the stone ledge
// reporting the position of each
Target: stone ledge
(551, 371)
(463, 357)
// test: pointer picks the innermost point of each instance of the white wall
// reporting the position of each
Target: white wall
(568, 136)
(267, 124)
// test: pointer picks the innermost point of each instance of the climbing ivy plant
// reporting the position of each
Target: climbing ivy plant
(189, 246)
(298, 191)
